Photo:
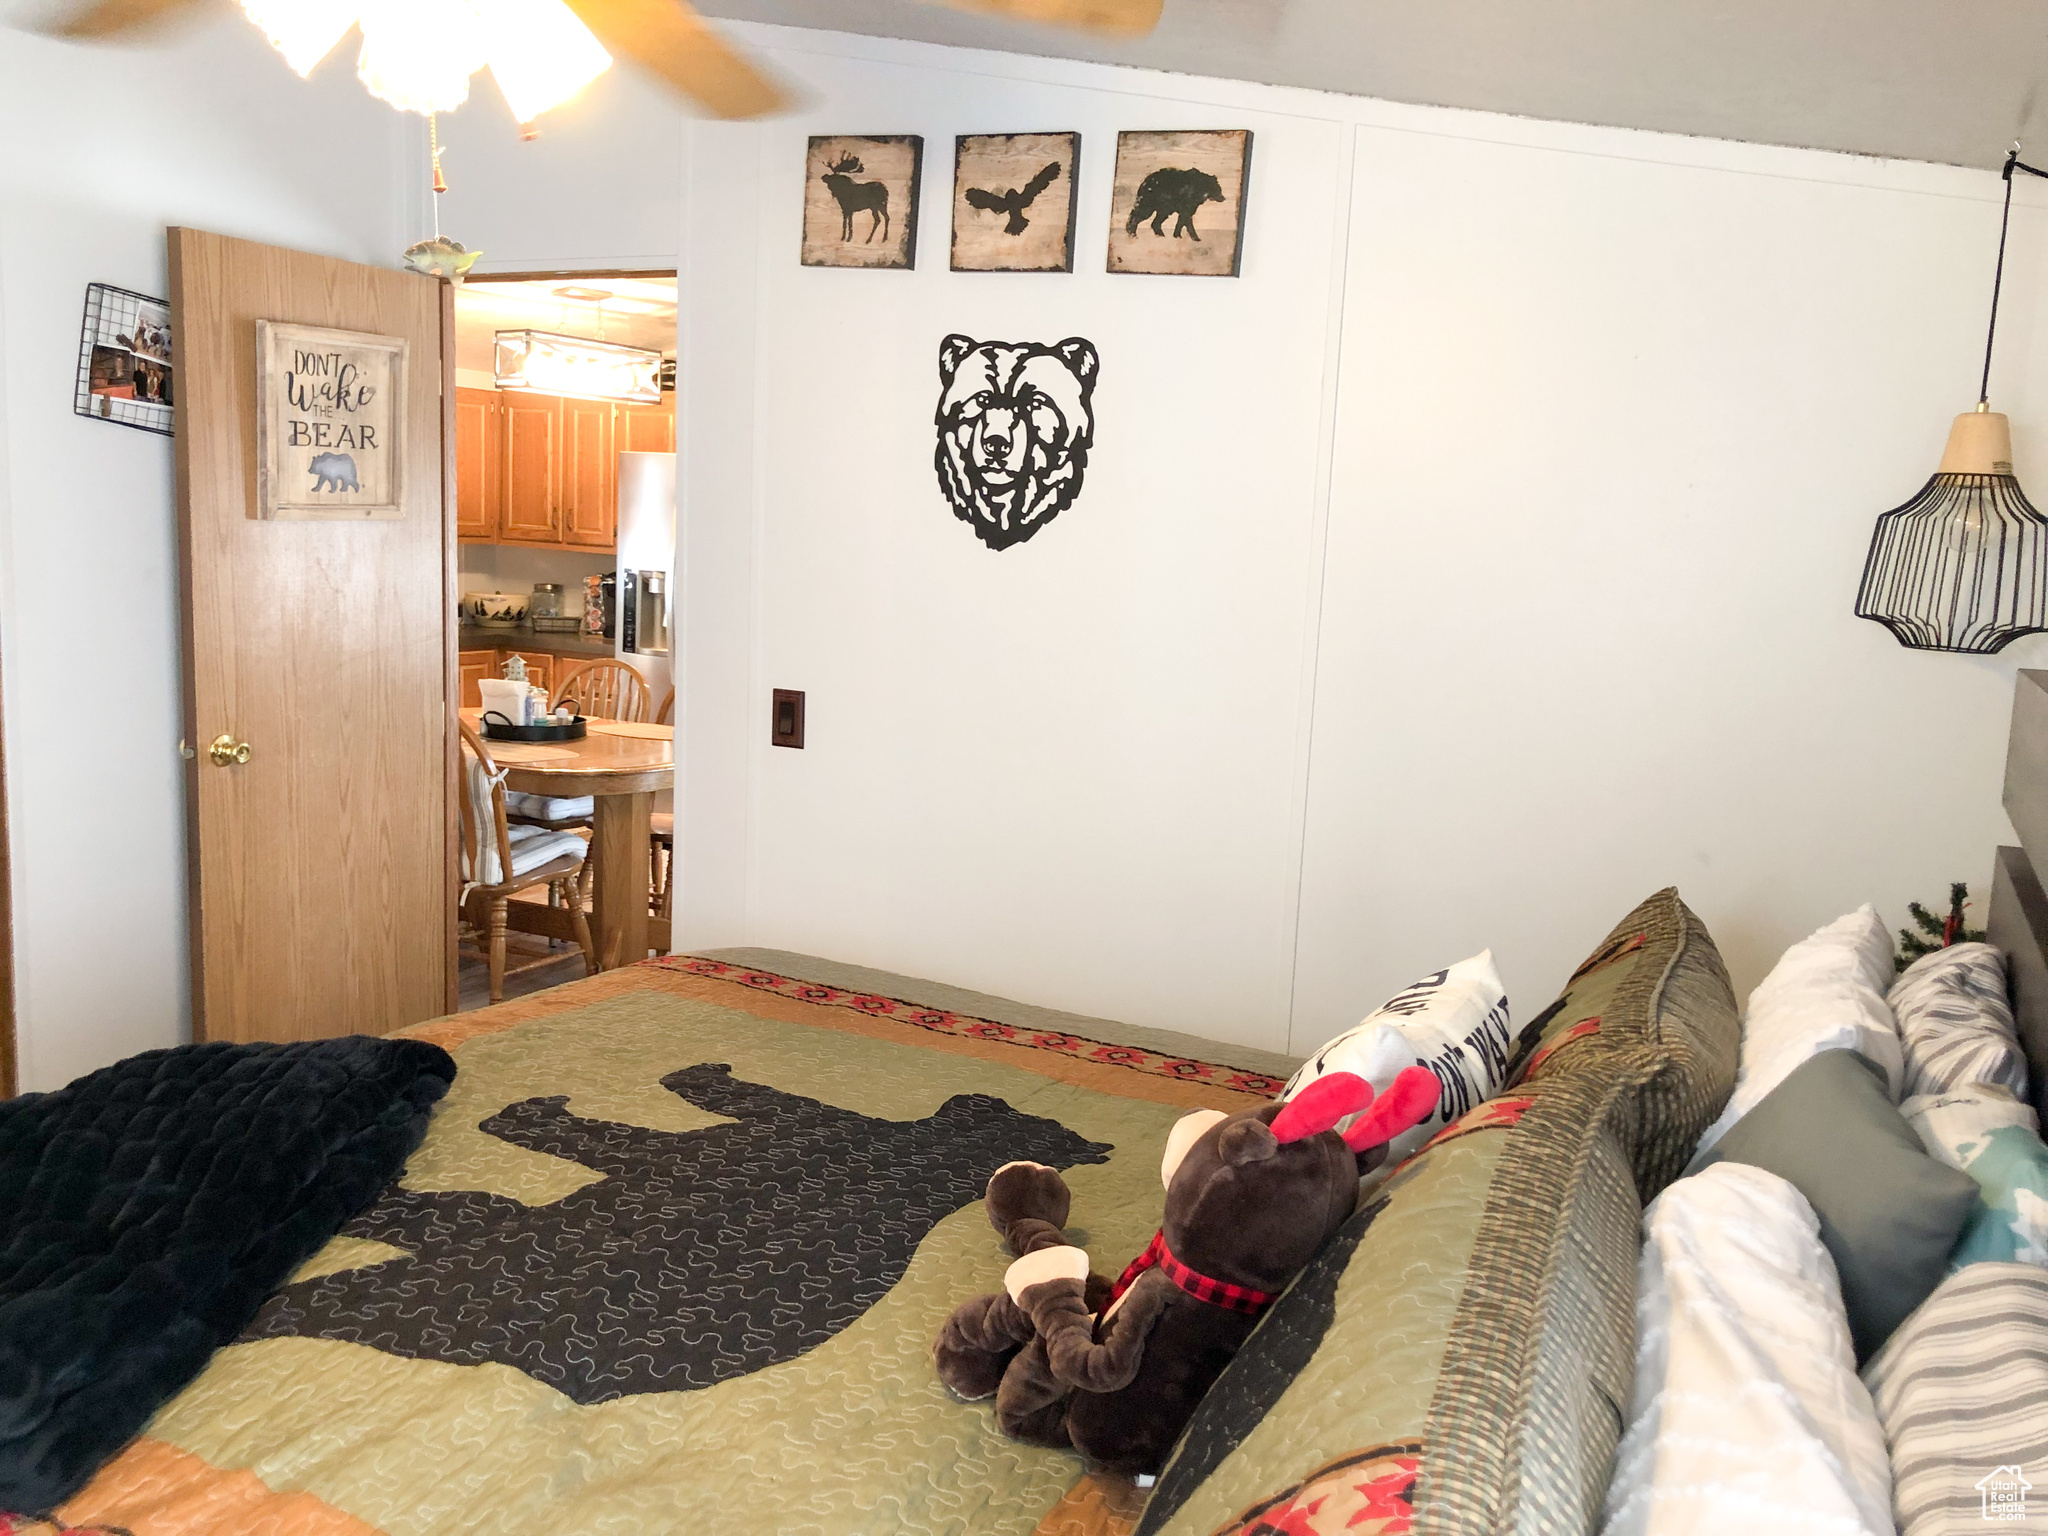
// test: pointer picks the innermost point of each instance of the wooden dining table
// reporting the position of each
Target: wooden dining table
(620, 764)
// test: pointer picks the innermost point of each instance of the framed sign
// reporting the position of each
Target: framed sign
(330, 423)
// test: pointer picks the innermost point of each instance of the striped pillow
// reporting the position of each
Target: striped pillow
(1956, 1023)
(1962, 1392)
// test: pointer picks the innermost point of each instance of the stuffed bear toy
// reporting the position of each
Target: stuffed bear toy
(1116, 1372)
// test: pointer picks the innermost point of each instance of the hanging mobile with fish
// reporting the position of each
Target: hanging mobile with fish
(439, 257)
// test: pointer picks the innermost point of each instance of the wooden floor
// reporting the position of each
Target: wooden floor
(476, 980)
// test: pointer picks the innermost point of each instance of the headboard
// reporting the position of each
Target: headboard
(2018, 924)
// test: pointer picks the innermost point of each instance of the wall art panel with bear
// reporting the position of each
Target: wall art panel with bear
(1177, 204)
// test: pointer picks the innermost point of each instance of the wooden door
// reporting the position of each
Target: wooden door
(479, 463)
(321, 886)
(472, 667)
(646, 428)
(590, 497)
(531, 511)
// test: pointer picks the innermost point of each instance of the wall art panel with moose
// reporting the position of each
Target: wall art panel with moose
(1177, 203)
(860, 201)
(330, 416)
(1013, 201)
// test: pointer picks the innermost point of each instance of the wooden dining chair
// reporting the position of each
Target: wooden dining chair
(500, 859)
(661, 836)
(601, 690)
(605, 690)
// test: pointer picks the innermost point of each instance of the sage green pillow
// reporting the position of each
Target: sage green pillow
(1889, 1213)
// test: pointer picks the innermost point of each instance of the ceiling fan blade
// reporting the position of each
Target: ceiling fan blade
(668, 39)
(1122, 18)
(113, 18)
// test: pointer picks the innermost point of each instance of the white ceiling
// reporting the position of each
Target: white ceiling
(1943, 80)
(640, 312)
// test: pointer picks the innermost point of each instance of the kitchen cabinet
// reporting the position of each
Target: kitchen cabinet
(645, 428)
(589, 465)
(473, 667)
(532, 509)
(541, 668)
(479, 463)
(543, 469)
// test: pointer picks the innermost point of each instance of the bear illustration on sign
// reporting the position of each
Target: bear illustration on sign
(1179, 193)
(334, 472)
(1016, 421)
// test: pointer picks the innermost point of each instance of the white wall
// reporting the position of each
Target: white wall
(1476, 563)
(107, 148)
(1618, 413)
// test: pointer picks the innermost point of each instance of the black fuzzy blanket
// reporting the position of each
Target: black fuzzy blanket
(148, 1209)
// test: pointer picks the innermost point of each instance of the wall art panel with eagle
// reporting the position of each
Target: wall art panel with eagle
(1013, 201)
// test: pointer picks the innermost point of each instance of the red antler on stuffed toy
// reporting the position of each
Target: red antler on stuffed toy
(1406, 1103)
(1321, 1105)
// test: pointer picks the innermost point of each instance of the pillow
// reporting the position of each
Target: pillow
(1453, 1022)
(1955, 1023)
(1961, 1390)
(1991, 1136)
(1825, 993)
(1746, 1414)
(1889, 1213)
(1462, 1343)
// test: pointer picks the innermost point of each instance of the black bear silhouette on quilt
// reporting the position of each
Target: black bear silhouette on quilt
(698, 1257)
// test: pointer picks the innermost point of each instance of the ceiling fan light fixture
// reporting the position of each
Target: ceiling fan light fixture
(540, 53)
(304, 31)
(418, 55)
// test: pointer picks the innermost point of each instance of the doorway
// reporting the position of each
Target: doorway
(559, 525)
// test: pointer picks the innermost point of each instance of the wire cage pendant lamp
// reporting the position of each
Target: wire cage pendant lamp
(1963, 566)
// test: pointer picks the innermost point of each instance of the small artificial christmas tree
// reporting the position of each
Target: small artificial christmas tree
(1936, 932)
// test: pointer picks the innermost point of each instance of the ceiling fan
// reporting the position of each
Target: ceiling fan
(419, 54)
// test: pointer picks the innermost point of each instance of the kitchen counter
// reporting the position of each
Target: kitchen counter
(519, 637)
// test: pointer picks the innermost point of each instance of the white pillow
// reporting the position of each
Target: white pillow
(1827, 993)
(1747, 1416)
(1454, 1022)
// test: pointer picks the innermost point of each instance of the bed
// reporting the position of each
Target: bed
(477, 1387)
(674, 1250)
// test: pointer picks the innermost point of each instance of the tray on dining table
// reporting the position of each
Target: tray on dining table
(497, 727)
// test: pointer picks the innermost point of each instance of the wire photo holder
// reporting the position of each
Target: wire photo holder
(125, 365)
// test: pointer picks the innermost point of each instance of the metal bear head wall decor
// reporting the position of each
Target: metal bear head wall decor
(1015, 425)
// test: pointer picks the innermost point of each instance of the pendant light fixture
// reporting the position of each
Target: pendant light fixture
(1963, 566)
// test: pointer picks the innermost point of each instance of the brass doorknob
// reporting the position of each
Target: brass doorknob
(226, 751)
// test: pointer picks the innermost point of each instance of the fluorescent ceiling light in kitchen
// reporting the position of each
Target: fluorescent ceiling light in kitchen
(549, 364)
